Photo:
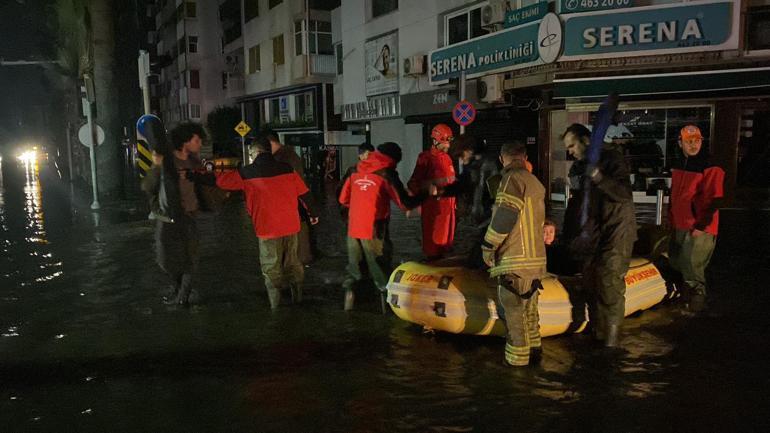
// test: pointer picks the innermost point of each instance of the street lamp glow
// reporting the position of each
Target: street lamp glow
(28, 157)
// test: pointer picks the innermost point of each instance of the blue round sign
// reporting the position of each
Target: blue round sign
(464, 113)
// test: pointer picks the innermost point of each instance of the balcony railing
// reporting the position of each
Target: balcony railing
(323, 64)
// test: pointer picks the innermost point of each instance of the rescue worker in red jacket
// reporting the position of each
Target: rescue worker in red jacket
(434, 168)
(367, 192)
(696, 194)
(273, 191)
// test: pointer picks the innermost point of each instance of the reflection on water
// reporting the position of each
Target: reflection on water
(84, 339)
(28, 259)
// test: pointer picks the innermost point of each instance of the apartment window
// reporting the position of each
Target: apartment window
(192, 44)
(278, 54)
(250, 9)
(382, 7)
(273, 3)
(186, 10)
(299, 47)
(254, 63)
(758, 25)
(338, 55)
(320, 40)
(195, 111)
(195, 79)
(463, 25)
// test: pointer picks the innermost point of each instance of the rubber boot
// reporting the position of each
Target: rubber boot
(273, 294)
(171, 296)
(535, 354)
(296, 294)
(612, 335)
(697, 303)
(185, 288)
(384, 302)
(349, 299)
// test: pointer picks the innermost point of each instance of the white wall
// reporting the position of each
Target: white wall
(261, 30)
(420, 30)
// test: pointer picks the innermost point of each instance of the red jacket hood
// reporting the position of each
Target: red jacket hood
(375, 162)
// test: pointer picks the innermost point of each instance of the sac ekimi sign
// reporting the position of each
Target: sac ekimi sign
(523, 46)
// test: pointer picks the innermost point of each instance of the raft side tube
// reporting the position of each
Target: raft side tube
(464, 301)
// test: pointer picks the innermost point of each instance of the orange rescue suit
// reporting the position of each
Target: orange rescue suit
(434, 167)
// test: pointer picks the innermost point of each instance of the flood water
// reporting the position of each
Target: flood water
(86, 344)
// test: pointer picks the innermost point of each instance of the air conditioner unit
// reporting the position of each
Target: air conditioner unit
(490, 88)
(415, 65)
(493, 14)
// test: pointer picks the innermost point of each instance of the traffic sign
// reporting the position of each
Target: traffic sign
(464, 113)
(242, 128)
(84, 135)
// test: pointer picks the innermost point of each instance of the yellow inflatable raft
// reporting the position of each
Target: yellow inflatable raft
(464, 301)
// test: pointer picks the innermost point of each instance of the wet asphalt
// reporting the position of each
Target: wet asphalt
(87, 345)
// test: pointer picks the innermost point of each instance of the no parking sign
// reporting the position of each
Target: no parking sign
(464, 113)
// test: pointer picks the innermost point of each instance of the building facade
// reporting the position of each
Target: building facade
(532, 68)
(290, 69)
(199, 63)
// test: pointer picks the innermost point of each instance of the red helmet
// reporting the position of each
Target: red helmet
(442, 133)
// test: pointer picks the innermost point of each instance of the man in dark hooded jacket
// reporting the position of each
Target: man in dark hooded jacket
(368, 193)
(605, 242)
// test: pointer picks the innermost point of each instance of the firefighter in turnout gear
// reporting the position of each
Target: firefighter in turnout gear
(435, 169)
(514, 250)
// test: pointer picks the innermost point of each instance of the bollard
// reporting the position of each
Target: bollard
(659, 207)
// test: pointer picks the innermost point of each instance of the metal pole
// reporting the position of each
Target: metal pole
(146, 95)
(69, 150)
(659, 207)
(144, 78)
(92, 153)
(462, 96)
(243, 138)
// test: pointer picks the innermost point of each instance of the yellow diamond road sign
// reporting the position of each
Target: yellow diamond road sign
(242, 128)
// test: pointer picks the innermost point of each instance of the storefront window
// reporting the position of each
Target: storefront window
(291, 111)
(648, 137)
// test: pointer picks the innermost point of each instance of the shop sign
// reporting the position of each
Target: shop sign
(527, 14)
(441, 97)
(378, 107)
(519, 47)
(437, 101)
(652, 30)
(283, 107)
(572, 6)
(382, 65)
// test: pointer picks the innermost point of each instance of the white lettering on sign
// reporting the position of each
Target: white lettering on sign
(440, 98)
(465, 61)
(646, 33)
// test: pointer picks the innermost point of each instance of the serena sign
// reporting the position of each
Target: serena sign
(650, 30)
(519, 47)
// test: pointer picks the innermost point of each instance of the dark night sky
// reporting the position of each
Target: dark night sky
(24, 35)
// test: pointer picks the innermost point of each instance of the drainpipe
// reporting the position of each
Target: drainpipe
(306, 41)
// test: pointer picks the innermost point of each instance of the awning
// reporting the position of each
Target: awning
(663, 84)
